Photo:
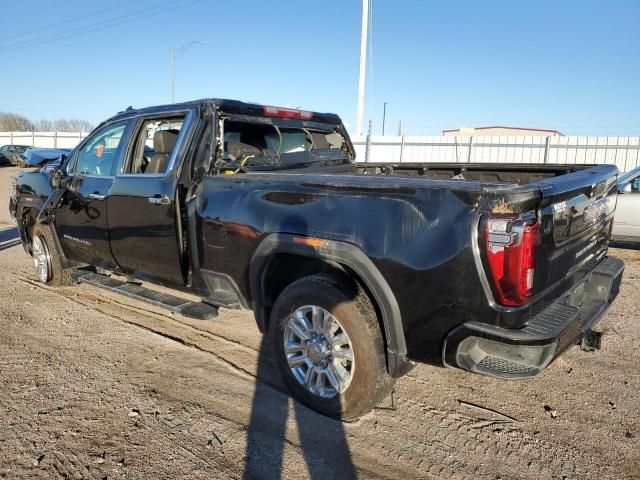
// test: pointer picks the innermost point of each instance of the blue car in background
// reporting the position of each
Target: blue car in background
(37, 157)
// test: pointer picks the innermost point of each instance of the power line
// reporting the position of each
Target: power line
(108, 23)
(86, 28)
(70, 20)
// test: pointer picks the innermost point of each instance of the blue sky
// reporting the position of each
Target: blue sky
(569, 65)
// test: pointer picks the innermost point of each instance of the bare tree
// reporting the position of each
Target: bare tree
(61, 125)
(44, 125)
(78, 125)
(12, 122)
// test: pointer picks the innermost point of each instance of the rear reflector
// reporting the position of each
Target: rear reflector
(511, 253)
(287, 113)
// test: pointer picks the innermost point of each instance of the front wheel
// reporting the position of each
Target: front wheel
(46, 258)
(328, 347)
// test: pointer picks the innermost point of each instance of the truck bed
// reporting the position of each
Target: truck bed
(520, 174)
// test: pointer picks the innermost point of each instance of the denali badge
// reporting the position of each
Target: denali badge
(585, 249)
(79, 240)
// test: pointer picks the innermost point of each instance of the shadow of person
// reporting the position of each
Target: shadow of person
(323, 440)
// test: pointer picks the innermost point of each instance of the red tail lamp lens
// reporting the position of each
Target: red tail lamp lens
(511, 251)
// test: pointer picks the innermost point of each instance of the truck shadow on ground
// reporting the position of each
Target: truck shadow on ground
(9, 238)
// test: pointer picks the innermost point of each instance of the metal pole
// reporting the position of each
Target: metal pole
(546, 150)
(363, 66)
(173, 75)
(368, 145)
(399, 128)
(401, 148)
(384, 116)
(470, 148)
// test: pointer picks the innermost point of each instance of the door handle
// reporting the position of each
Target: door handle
(158, 200)
(96, 196)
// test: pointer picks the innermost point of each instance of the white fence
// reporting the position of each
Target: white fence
(621, 151)
(42, 139)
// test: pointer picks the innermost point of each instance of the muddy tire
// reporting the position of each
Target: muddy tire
(327, 345)
(47, 258)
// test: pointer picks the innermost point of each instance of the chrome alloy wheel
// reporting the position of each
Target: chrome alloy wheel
(41, 259)
(318, 351)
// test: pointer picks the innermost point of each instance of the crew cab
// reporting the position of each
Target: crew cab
(355, 271)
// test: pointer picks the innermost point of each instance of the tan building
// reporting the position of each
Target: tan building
(501, 131)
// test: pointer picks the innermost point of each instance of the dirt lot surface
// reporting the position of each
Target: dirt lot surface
(94, 385)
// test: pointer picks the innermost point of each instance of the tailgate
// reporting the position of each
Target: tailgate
(576, 215)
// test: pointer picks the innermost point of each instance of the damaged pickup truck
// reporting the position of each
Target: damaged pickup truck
(354, 271)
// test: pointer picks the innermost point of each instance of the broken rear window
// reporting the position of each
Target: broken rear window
(259, 144)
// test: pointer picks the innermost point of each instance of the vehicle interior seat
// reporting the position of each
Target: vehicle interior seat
(163, 143)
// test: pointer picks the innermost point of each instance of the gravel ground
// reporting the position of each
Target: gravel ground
(94, 385)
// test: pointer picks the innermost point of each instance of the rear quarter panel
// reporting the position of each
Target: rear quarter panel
(418, 236)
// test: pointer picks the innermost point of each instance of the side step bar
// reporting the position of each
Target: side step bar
(197, 310)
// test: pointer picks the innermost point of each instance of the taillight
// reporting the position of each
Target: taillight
(511, 253)
(287, 113)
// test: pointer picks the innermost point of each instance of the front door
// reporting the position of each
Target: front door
(144, 212)
(81, 216)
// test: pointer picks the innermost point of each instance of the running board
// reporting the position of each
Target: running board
(197, 310)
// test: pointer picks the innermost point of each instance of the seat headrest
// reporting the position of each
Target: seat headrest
(164, 141)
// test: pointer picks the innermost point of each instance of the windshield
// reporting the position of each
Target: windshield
(625, 177)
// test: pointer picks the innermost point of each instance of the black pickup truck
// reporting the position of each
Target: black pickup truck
(355, 271)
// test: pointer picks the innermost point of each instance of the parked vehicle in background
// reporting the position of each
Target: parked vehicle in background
(626, 227)
(37, 157)
(10, 154)
(354, 271)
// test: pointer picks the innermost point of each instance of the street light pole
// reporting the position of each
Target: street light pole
(363, 66)
(175, 53)
(384, 116)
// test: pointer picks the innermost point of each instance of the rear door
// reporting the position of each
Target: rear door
(576, 218)
(81, 215)
(144, 206)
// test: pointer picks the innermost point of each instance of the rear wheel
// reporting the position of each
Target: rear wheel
(328, 347)
(46, 258)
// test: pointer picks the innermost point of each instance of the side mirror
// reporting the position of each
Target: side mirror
(626, 188)
(56, 178)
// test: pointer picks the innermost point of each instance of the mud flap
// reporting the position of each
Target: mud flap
(591, 341)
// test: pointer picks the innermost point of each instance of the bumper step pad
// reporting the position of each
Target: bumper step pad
(506, 367)
(196, 310)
